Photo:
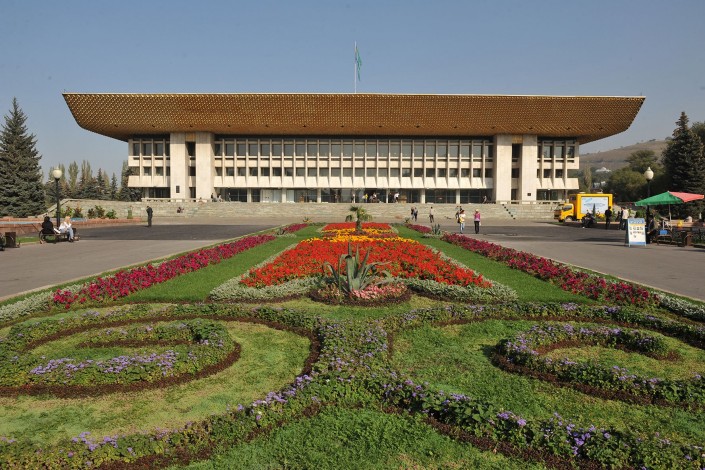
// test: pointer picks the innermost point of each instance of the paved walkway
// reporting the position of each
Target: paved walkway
(33, 266)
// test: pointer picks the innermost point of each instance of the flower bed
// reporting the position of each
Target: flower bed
(124, 283)
(408, 259)
(523, 354)
(569, 279)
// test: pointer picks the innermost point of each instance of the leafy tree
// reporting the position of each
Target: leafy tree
(21, 189)
(626, 185)
(640, 160)
(685, 165)
(50, 187)
(72, 180)
(87, 188)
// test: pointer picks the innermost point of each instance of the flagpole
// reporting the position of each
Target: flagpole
(355, 66)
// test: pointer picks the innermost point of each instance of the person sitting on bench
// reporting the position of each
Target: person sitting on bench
(47, 227)
(65, 227)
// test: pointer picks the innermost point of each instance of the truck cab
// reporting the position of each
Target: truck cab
(564, 212)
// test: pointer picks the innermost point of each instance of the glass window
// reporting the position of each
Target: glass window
(347, 150)
(477, 152)
(147, 148)
(276, 171)
(229, 149)
(383, 172)
(453, 172)
(394, 150)
(136, 149)
(547, 173)
(430, 172)
(335, 150)
(406, 149)
(359, 150)
(288, 149)
(167, 149)
(147, 171)
(465, 152)
(264, 149)
(489, 152)
(571, 152)
(394, 172)
(418, 172)
(323, 148)
(406, 172)
(229, 171)
(218, 171)
(453, 151)
(359, 172)
(312, 172)
(372, 172)
(559, 152)
(442, 150)
(300, 171)
(515, 173)
(383, 150)
(323, 171)
(300, 149)
(159, 148)
(488, 172)
(335, 172)
(217, 149)
(559, 172)
(372, 149)
(264, 171)
(276, 149)
(288, 171)
(160, 171)
(312, 150)
(347, 172)
(241, 149)
(431, 150)
(441, 172)
(252, 149)
(418, 150)
(241, 171)
(546, 152)
(253, 171)
(476, 172)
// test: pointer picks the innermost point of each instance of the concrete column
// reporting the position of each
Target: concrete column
(422, 196)
(178, 166)
(502, 168)
(457, 197)
(205, 165)
(528, 164)
(318, 195)
(283, 196)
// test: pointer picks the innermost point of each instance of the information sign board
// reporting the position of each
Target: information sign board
(636, 232)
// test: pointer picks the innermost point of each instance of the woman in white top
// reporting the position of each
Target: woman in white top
(66, 227)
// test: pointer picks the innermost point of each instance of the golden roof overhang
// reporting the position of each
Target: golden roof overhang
(123, 115)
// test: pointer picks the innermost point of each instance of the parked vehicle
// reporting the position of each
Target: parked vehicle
(579, 204)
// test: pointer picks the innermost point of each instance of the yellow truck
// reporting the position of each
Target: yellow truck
(579, 204)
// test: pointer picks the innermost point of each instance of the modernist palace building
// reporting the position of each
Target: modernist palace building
(289, 147)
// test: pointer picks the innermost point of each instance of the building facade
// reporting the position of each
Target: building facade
(454, 149)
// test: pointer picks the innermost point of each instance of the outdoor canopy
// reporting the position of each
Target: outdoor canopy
(669, 197)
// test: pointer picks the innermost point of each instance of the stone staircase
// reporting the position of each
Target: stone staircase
(317, 212)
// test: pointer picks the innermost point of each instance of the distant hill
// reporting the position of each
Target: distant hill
(617, 158)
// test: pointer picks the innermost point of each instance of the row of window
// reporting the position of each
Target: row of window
(358, 172)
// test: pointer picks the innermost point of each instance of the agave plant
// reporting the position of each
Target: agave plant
(436, 230)
(354, 274)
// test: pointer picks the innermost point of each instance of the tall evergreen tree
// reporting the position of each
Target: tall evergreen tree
(21, 188)
(685, 164)
(72, 180)
(126, 193)
(113, 188)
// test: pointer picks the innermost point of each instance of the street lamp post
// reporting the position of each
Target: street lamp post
(56, 173)
(649, 175)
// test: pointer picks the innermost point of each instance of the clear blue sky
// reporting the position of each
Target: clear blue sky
(554, 47)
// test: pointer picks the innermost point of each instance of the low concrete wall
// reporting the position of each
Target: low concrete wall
(32, 226)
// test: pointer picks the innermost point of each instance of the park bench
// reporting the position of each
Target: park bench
(57, 237)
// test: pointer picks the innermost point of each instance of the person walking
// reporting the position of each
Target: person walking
(625, 217)
(430, 214)
(461, 219)
(476, 219)
(608, 218)
(149, 216)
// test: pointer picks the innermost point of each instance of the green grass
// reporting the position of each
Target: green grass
(360, 439)
(528, 288)
(457, 359)
(269, 360)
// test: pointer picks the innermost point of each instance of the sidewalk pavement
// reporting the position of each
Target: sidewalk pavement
(33, 266)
